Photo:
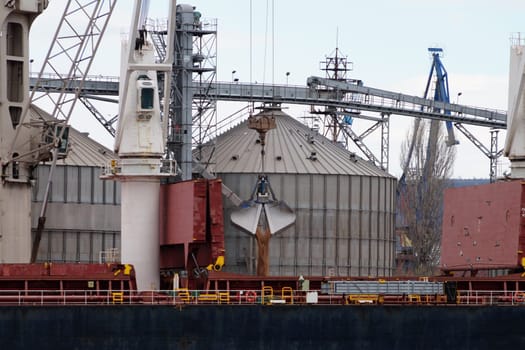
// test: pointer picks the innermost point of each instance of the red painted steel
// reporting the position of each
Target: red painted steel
(63, 270)
(66, 276)
(216, 218)
(483, 227)
(183, 222)
(192, 224)
(183, 212)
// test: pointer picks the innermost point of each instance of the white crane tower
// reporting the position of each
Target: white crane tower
(515, 141)
(139, 143)
(16, 18)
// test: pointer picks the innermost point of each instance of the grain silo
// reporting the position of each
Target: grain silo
(83, 213)
(344, 204)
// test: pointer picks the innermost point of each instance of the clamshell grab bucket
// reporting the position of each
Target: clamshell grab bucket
(247, 216)
(279, 216)
(277, 213)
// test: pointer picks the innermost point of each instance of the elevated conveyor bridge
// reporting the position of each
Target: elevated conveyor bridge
(320, 91)
(349, 97)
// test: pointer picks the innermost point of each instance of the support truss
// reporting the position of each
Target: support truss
(493, 154)
(74, 45)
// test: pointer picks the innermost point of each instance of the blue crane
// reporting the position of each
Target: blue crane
(441, 88)
(441, 93)
(423, 207)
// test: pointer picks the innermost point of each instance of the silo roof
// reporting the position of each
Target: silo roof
(83, 150)
(291, 147)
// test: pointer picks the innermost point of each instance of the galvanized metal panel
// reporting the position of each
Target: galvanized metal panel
(117, 193)
(343, 227)
(97, 246)
(275, 251)
(109, 192)
(76, 184)
(117, 239)
(85, 246)
(330, 252)
(72, 184)
(382, 192)
(343, 191)
(355, 192)
(42, 176)
(289, 190)
(374, 193)
(304, 191)
(317, 225)
(287, 249)
(318, 189)
(304, 251)
(331, 193)
(276, 181)
(56, 246)
(355, 223)
(98, 186)
(374, 258)
(43, 249)
(355, 252)
(366, 186)
(337, 219)
(71, 247)
(240, 255)
(290, 148)
(75, 246)
(317, 253)
(302, 227)
(57, 188)
(374, 225)
(381, 252)
(342, 249)
(332, 222)
(316, 270)
(86, 184)
(109, 240)
(364, 259)
(364, 229)
(387, 287)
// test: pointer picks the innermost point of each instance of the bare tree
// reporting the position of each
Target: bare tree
(427, 164)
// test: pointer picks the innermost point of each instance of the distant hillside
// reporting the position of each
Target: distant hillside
(467, 182)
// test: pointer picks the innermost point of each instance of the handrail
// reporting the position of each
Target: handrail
(247, 297)
(490, 297)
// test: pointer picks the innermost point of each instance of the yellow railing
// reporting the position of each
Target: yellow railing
(265, 296)
(287, 294)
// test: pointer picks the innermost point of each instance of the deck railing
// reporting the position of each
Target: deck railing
(488, 297)
(267, 296)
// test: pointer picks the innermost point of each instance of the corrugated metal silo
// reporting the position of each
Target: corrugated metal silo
(83, 214)
(344, 205)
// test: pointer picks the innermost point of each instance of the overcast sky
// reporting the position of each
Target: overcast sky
(386, 40)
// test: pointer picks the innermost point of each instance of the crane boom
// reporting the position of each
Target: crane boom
(80, 56)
